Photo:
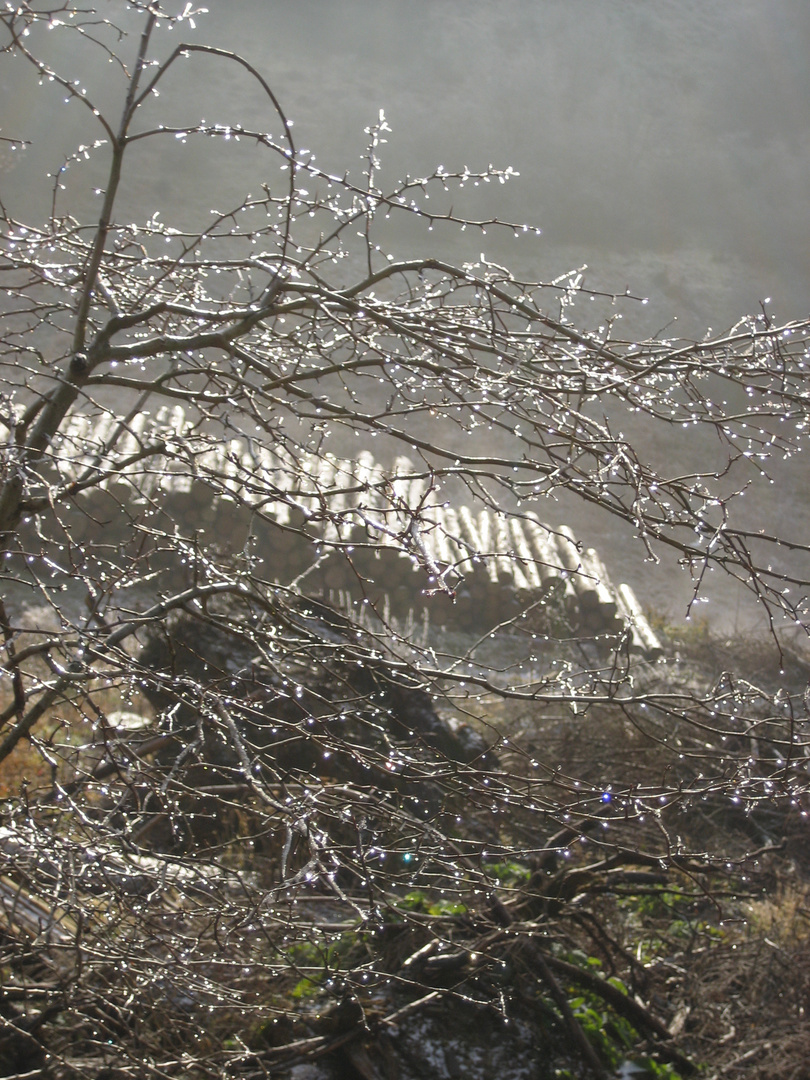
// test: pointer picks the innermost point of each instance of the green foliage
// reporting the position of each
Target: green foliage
(665, 916)
(318, 962)
(417, 900)
(611, 1035)
(508, 874)
(305, 988)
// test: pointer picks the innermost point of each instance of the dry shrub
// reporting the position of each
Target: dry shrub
(749, 1001)
(24, 769)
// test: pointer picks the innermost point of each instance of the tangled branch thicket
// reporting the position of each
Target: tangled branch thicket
(248, 823)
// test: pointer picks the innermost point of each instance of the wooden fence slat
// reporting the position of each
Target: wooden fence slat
(348, 501)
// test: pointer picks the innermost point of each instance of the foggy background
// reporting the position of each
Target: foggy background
(666, 146)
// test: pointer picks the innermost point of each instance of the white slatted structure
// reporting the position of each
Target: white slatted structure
(365, 514)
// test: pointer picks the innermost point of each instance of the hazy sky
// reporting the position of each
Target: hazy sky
(664, 144)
